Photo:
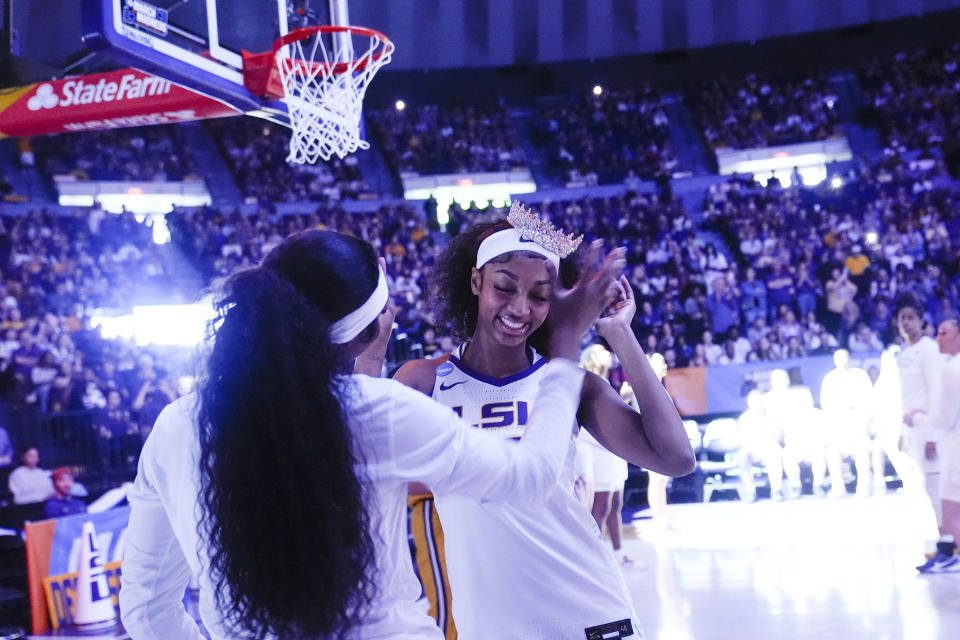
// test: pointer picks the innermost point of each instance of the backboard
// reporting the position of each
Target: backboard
(198, 43)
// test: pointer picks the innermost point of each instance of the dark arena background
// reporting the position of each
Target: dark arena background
(782, 173)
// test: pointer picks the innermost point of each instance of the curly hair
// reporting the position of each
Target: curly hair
(456, 306)
(283, 507)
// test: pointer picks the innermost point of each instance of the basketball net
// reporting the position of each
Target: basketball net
(324, 86)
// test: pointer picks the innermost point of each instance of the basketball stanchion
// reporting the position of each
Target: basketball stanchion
(94, 604)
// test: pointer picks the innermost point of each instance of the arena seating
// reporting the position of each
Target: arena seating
(256, 152)
(430, 139)
(58, 372)
(142, 154)
(911, 97)
(604, 138)
(759, 273)
(813, 233)
(757, 111)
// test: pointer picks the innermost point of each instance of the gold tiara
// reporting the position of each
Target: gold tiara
(532, 227)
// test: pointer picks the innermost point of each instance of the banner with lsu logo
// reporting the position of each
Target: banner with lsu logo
(111, 100)
(53, 556)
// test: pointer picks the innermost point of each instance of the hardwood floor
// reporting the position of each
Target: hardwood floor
(801, 569)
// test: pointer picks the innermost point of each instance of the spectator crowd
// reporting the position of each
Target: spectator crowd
(605, 136)
(757, 111)
(57, 269)
(819, 268)
(256, 151)
(761, 273)
(457, 138)
(911, 97)
(149, 154)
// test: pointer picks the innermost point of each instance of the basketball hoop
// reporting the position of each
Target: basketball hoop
(322, 84)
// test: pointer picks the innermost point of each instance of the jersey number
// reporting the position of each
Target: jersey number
(496, 415)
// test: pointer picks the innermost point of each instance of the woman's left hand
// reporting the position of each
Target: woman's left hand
(620, 313)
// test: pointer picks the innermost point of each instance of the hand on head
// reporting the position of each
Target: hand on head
(619, 314)
(574, 310)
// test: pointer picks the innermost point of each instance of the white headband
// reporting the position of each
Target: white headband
(509, 240)
(349, 326)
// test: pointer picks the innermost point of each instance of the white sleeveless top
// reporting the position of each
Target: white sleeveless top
(540, 571)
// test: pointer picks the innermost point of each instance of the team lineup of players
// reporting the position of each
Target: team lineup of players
(910, 416)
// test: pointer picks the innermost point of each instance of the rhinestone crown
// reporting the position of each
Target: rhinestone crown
(533, 227)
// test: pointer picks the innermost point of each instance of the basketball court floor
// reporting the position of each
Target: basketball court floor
(808, 568)
(796, 570)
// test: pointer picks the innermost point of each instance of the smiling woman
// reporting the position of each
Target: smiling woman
(524, 273)
(495, 285)
(514, 298)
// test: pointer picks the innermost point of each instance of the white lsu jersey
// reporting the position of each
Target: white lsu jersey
(920, 367)
(540, 571)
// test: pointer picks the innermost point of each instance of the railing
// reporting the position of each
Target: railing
(75, 439)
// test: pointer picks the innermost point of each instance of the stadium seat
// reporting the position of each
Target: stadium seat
(721, 465)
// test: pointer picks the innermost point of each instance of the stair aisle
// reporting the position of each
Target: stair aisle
(375, 171)
(212, 165)
(863, 142)
(687, 141)
(26, 182)
(537, 161)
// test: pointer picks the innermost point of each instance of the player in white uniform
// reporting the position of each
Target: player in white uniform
(762, 443)
(282, 484)
(920, 362)
(887, 422)
(536, 571)
(578, 562)
(609, 471)
(791, 411)
(845, 397)
(945, 417)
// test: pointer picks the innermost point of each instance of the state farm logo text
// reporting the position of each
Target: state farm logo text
(78, 92)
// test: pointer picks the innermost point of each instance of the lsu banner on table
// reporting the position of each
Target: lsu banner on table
(53, 555)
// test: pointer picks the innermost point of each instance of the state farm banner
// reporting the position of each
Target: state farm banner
(123, 98)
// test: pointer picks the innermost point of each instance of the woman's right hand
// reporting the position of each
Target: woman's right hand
(574, 310)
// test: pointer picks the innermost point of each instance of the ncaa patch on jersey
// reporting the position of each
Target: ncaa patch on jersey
(445, 369)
